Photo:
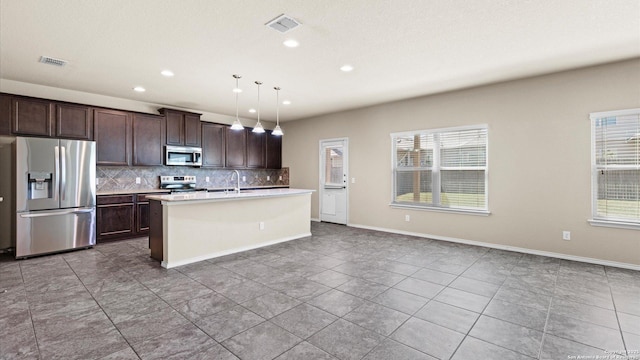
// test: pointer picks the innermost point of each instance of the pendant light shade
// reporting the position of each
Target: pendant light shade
(237, 125)
(277, 131)
(258, 128)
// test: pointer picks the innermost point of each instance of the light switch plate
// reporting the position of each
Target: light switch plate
(138, 181)
(206, 178)
(244, 179)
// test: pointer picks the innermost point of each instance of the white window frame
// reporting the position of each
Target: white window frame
(595, 219)
(436, 173)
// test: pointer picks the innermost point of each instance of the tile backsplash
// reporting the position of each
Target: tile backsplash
(115, 178)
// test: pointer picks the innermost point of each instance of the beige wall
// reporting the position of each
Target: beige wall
(539, 138)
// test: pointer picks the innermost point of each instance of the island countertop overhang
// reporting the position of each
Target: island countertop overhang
(182, 198)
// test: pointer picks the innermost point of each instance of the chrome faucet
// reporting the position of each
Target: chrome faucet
(237, 188)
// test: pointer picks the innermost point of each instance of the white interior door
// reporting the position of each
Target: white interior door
(334, 161)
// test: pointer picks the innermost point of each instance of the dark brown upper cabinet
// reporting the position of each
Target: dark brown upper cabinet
(183, 128)
(32, 116)
(256, 149)
(274, 151)
(148, 139)
(74, 122)
(5, 114)
(213, 144)
(112, 133)
(235, 148)
(125, 138)
(192, 130)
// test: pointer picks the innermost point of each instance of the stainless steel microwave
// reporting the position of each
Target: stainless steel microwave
(181, 155)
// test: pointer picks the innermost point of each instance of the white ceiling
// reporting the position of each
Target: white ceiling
(399, 48)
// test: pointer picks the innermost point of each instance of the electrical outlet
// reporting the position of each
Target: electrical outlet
(206, 178)
(138, 181)
(407, 218)
(268, 178)
(566, 235)
(261, 225)
(353, 180)
(244, 179)
(97, 181)
(280, 177)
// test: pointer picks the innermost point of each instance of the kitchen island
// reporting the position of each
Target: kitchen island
(191, 227)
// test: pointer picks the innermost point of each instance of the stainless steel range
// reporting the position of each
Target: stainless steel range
(179, 183)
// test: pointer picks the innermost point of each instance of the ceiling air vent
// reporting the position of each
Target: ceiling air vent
(283, 23)
(52, 61)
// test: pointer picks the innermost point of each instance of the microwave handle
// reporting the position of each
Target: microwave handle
(196, 156)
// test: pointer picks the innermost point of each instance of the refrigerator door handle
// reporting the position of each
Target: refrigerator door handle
(56, 161)
(56, 212)
(63, 173)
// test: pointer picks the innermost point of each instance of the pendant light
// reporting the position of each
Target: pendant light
(236, 124)
(277, 131)
(258, 128)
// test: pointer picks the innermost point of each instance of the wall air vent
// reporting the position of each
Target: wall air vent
(283, 23)
(52, 61)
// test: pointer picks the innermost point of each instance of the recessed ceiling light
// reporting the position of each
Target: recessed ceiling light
(291, 43)
(252, 110)
(286, 102)
(346, 68)
(139, 89)
(167, 73)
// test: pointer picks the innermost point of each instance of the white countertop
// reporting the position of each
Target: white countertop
(200, 196)
(151, 191)
(129, 192)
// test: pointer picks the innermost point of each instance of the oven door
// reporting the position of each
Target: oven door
(189, 156)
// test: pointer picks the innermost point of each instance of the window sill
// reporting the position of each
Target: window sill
(440, 209)
(615, 224)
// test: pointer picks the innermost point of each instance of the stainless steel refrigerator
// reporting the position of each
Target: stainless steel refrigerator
(55, 196)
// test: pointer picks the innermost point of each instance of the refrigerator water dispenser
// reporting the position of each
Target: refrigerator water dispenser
(40, 185)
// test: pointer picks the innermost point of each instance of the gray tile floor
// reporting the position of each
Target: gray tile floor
(344, 293)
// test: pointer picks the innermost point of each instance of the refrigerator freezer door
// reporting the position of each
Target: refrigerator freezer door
(43, 232)
(37, 174)
(77, 173)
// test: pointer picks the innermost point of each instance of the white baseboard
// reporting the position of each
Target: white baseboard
(505, 247)
(315, 219)
(229, 252)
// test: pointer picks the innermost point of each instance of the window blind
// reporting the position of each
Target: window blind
(616, 166)
(441, 168)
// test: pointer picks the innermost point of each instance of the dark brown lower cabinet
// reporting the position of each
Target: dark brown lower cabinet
(123, 216)
(142, 214)
(156, 232)
(115, 216)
